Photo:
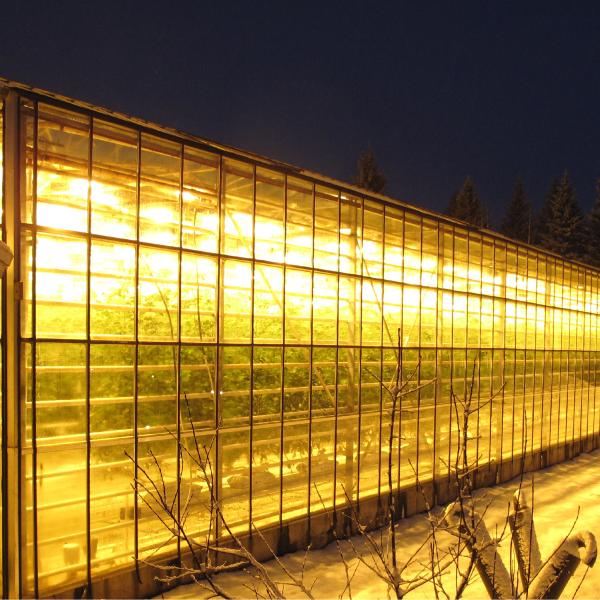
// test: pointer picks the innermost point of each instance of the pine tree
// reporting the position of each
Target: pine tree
(465, 205)
(561, 224)
(592, 237)
(517, 219)
(368, 174)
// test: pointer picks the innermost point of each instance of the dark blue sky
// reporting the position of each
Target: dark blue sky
(439, 90)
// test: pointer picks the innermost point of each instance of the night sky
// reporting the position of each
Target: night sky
(439, 90)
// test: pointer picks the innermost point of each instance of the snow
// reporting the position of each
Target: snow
(559, 491)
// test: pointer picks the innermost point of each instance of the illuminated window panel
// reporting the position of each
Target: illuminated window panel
(234, 479)
(429, 254)
(236, 313)
(266, 474)
(411, 316)
(234, 395)
(60, 393)
(199, 298)
(269, 214)
(158, 294)
(200, 205)
(372, 307)
(349, 311)
(158, 464)
(322, 460)
(156, 389)
(197, 401)
(63, 169)
(412, 250)
(112, 392)
(372, 239)
(112, 290)
(346, 458)
(27, 118)
(352, 251)
(299, 222)
(266, 384)
(112, 500)
(160, 196)
(296, 382)
(194, 503)
(392, 312)
(113, 188)
(325, 303)
(295, 469)
(324, 363)
(268, 304)
(428, 317)
(394, 244)
(298, 306)
(61, 286)
(326, 232)
(237, 225)
(61, 486)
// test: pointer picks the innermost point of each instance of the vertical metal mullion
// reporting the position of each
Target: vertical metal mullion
(88, 432)
(399, 359)
(34, 350)
(524, 423)
(282, 351)
(514, 358)
(452, 352)
(418, 366)
(310, 358)
(251, 421)
(360, 354)
(561, 355)
(439, 316)
(383, 327)
(337, 361)
(178, 353)
(137, 355)
(479, 351)
(551, 300)
(587, 351)
(12, 480)
(216, 477)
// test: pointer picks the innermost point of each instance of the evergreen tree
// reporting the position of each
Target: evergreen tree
(517, 219)
(560, 224)
(368, 174)
(592, 237)
(465, 205)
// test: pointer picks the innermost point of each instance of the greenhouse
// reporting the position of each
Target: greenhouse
(166, 291)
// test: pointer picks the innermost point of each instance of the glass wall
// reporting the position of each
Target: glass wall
(167, 286)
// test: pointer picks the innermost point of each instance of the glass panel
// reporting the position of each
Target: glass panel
(160, 169)
(326, 238)
(158, 294)
(299, 223)
(112, 291)
(237, 301)
(237, 209)
(198, 385)
(199, 296)
(114, 180)
(269, 215)
(62, 169)
(200, 200)
(61, 286)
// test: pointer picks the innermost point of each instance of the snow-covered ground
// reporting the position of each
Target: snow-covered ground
(559, 492)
